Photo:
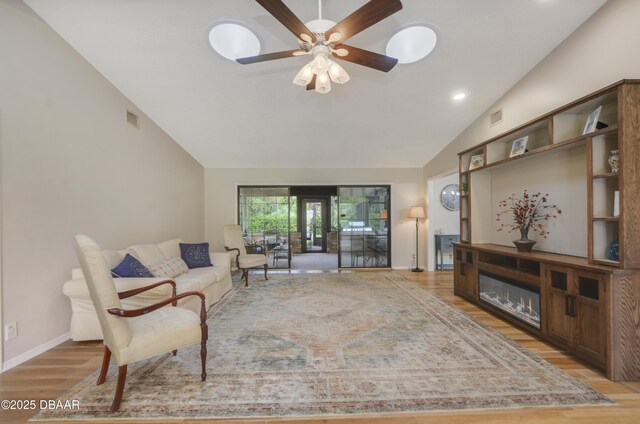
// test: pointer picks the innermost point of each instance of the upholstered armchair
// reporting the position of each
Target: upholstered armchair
(234, 243)
(138, 334)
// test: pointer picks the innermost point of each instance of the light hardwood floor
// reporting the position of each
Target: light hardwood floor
(49, 375)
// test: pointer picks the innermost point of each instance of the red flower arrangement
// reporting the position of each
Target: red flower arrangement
(528, 213)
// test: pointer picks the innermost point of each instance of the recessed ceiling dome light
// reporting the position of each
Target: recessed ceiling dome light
(412, 44)
(233, 41)
(459, 96)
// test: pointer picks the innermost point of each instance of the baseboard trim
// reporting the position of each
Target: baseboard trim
(13, 362)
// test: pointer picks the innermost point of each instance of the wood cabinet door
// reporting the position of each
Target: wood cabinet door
(464, 275)
(559, 323)
(463, 278)
(458, 273)
(590, 300)
(471, 259)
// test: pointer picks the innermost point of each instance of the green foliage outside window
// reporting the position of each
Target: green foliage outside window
(268, 213)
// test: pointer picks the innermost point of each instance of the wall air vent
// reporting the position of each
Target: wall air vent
(495, 118)
(132, 118)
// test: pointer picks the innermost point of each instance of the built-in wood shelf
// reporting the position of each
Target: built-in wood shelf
(607, 218)
(589, 303)
(557, 136)
(607, 262)
(606, 175)
(550, 147)
(609, 130)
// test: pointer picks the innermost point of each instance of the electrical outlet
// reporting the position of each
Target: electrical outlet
(10, 331)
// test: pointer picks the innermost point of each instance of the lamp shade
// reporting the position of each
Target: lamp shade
(323, 83)
(416, 212)
(337, 73)
(304, 77)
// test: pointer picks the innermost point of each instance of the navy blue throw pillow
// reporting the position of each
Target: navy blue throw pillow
(195, 255)
(130, 267)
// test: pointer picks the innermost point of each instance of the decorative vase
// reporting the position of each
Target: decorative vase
(524, 244)
(614, 250)
(613, 161)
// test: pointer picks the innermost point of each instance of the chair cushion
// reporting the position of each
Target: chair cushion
(196, 255)
(131, 267)
(169, 268)
(249, 261)
(160, 331)
(149, 254)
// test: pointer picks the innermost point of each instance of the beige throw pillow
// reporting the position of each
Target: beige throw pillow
(169, 268)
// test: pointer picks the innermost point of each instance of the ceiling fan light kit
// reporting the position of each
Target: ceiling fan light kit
(323, 39)
(337, 73)
(323, 85)
(304, 76)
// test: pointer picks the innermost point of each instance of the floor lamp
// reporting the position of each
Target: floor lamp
(416, 212)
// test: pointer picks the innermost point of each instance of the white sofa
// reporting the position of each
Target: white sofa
(212, 281)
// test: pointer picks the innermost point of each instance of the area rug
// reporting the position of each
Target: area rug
(311, 344)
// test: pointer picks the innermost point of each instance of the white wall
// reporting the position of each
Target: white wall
(406, 191)
(440, 219)
(601, 52)
(71, 164)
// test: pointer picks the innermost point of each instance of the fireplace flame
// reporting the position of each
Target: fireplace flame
(519, 304)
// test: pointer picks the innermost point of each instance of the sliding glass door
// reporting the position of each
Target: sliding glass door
(365, 236)
(356, 223)
(264, 214)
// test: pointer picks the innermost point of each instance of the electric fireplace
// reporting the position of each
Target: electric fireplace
(518, 300)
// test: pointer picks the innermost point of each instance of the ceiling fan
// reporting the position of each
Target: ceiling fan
(323, 39)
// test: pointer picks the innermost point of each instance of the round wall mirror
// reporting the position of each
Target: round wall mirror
(450, 197)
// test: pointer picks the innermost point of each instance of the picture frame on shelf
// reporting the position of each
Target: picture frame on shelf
(519, 146)
(592, 121)
(477, 161)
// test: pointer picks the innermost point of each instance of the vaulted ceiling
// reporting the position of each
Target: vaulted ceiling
(229, 115)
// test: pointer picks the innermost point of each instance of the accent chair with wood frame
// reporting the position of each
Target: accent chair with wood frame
(138, 334)
(234, 242)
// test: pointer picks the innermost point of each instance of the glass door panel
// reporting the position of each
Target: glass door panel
(264, 215)
(313, 221)
(363, 221)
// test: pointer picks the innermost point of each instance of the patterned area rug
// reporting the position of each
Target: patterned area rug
(312, 344)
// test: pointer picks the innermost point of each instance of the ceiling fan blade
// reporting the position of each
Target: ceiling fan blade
(369, 59)
(268, 56)
(282, 13)
(368, 15)
(312, 84)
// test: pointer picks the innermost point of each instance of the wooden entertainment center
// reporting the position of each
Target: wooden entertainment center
(579, 294)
